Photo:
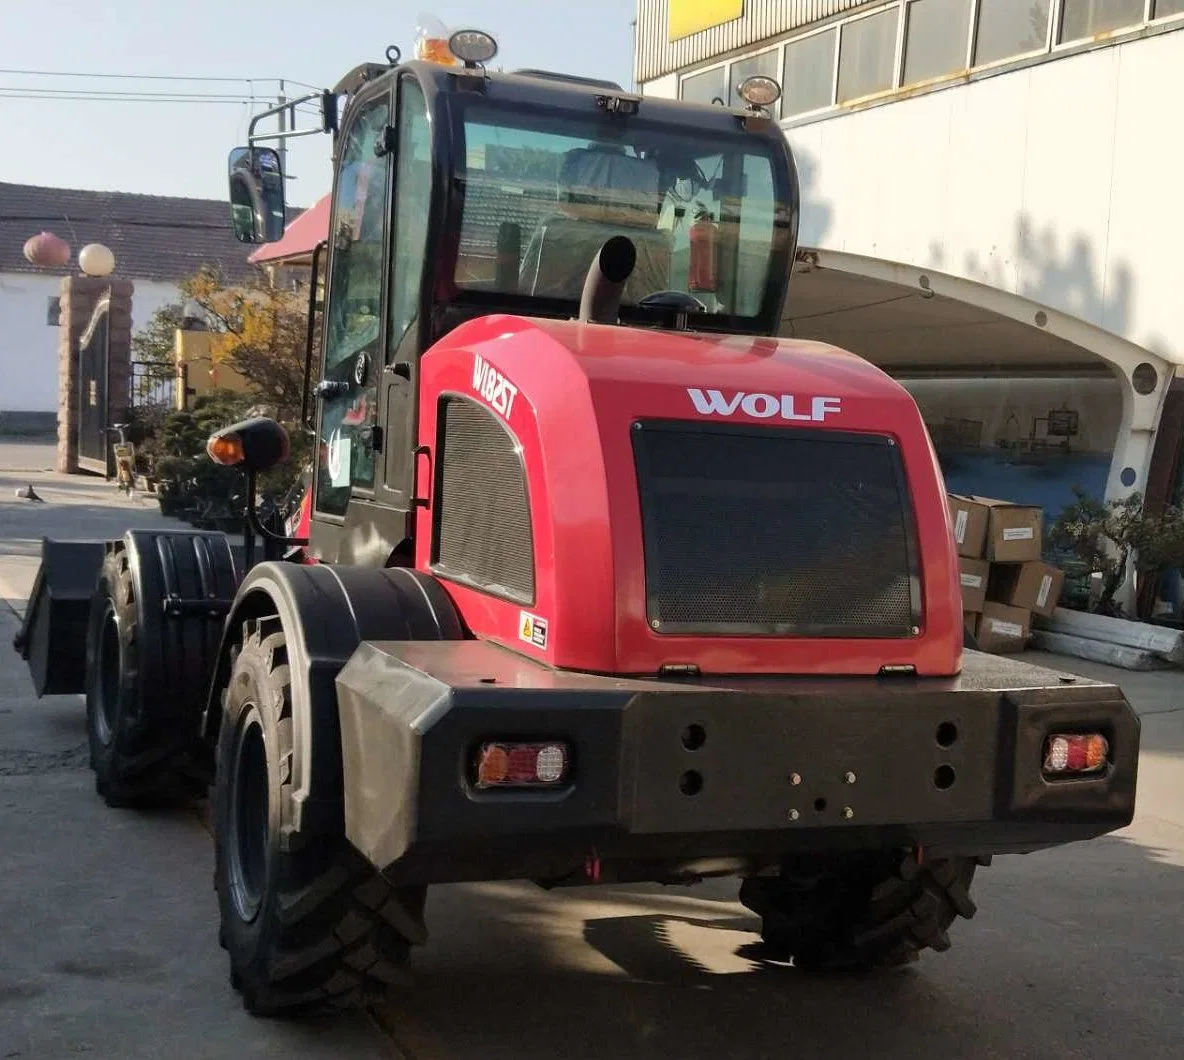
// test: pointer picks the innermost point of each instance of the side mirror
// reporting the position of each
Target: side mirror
(257, 208)
(256, 445)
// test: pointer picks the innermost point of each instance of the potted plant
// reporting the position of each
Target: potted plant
(1158, 544)
(1099, 538)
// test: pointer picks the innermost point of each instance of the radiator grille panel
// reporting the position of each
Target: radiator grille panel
(484, 532)
(759, 531)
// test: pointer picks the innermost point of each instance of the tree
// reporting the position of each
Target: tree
(1105, 538)
(260, 332)
(1099, 536)
(156, 341)
(263, 331)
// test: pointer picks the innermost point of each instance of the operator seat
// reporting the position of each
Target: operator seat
(603, 192)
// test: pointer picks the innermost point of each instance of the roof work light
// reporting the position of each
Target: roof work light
(759, 91)
(473, 47)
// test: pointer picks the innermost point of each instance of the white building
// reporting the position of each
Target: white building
(986, 212)
(158, 241)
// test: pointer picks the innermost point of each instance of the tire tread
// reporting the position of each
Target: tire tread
(329, 937)
(145, 765)
(873, 916)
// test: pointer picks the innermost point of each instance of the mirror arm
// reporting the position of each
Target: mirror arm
(253, 526)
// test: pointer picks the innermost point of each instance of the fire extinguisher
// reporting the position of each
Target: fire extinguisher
(704, 240)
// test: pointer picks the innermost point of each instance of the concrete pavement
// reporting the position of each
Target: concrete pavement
(108, 923)
(108, 919)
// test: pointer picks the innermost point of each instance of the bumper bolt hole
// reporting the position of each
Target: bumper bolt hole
(820, 805)
(694, 737)
(944, 777)
(947, 734)
(691, 782)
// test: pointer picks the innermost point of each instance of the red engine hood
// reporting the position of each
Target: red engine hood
(754, 365)
(569, 393)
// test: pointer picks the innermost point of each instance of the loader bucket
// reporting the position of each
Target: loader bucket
(52, 637)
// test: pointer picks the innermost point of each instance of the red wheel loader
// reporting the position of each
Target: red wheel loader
(602, 580)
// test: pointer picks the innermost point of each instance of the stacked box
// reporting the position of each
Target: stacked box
(1004, 579)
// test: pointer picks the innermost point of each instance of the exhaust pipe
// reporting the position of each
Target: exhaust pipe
(610, 269)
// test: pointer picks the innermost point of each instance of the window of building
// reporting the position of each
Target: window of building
(704, 87)
(936, 37)
(809, 81)
(1167, 8)
(867, 55)
(1010, 27)
(763, 65)
(1085, 18)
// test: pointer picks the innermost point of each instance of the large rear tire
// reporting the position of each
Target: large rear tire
(306, 921)
(135, 758)
(865, 912)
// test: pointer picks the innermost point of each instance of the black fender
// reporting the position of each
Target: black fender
(184, 583)
(326, 612)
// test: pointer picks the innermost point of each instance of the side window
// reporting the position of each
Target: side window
(353, 359)
(413, 189)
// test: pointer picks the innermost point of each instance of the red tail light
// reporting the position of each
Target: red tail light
(522, 765)
(1075, 753)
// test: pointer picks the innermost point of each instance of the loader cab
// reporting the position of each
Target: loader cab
(461, 193)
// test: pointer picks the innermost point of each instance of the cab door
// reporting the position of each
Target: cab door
(410, 211)
(354, 326)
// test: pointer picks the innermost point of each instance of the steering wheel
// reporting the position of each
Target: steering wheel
(688, 303)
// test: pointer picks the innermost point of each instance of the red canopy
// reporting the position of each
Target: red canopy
(299, 239)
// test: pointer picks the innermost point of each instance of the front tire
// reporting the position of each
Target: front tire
(306, 921)
(866, 912)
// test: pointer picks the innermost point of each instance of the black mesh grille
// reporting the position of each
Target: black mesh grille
(751, 530)
(483, 533)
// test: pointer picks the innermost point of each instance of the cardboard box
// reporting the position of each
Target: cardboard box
(1003, 629)
(970, 621)
(970, 524)
(1034, 586)
(974, 575)
(1014, 531)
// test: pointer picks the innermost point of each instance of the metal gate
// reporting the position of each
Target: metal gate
(152, 385)
(94, 392)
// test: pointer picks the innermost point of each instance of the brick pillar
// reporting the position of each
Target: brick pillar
(79, 298)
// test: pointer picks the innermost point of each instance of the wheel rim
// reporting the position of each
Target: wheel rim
(249, 820)
(108, 684)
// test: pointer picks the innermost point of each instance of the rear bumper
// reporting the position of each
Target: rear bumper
(872, 771)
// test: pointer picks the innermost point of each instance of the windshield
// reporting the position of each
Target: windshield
(541, 196)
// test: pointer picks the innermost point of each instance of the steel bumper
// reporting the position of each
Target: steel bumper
(786, 765)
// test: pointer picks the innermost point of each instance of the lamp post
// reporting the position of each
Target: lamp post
(96, 260)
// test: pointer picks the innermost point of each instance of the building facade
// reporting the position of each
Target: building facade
(158, 241)
(985, 212)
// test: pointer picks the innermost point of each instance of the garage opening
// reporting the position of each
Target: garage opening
(1024, 404)
(1015, 412)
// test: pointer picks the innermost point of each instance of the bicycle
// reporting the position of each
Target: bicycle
(125, 459)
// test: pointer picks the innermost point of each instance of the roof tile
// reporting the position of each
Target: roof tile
(153, 237)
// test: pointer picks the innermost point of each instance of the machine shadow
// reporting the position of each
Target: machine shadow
(679, 980)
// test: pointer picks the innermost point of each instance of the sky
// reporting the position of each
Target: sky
(171, 146)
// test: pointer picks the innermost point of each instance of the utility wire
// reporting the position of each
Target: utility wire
(92, 98)
(160, 77)
(136, 77)
(52, 92)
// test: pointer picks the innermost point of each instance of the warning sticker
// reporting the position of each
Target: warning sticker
(532, 629)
